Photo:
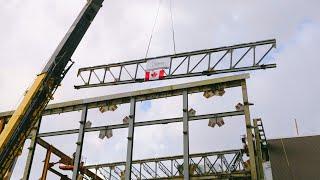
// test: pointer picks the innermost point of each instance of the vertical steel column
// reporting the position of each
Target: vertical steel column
(185, 136)
(249, 130)
(259, 151)
(77, 158)
(32, 147)
(130, 139)
(46, 165)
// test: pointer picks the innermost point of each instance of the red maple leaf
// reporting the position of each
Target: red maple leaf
(154, 74)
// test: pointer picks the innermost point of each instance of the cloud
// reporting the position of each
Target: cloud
(32, 29)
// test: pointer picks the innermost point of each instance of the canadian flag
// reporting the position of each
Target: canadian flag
(154, 74)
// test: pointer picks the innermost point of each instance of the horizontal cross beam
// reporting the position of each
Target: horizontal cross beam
(144, 123)
(141, 95)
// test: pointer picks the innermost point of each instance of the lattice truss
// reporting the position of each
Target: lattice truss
(215, 164)
(240, 57)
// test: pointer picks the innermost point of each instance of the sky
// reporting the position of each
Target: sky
(31, 30)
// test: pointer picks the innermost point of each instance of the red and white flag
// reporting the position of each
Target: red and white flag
(154, 74)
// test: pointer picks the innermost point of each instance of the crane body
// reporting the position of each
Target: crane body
(39, 94)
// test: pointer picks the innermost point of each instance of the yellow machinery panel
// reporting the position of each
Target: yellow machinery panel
(21, 110)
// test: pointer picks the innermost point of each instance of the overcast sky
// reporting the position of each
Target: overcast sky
(31, 30)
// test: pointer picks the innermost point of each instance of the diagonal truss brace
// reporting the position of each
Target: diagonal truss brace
(236, 58)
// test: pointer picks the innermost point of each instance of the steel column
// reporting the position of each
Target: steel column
(130, 139)
(258, 148)
(185, 136)
(249, 130)
(77, 158)
(46, 164)
(34, 133)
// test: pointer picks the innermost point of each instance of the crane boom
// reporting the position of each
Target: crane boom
(30, 109)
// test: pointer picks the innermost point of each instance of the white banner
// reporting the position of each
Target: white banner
(162, 63)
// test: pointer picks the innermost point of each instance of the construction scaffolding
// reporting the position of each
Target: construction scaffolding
(211, 165)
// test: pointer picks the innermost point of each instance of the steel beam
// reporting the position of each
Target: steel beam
(249, 132)
(46, 164)
(144, 123)
(185, 136)
(141, 95)
(62, 176)
(65, 159)
(32, 147)
(77, 160)
(192, 64)
(235, 160)
(130, 139)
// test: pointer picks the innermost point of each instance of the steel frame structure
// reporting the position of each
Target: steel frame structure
(187, 64)
(132, 98)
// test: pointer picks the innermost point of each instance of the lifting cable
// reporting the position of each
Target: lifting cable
(172, 28)
(154, 25)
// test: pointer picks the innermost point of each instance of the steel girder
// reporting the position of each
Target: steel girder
(210, 165)
(236, 58)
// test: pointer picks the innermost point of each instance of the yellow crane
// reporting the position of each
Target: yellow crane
(37, 97)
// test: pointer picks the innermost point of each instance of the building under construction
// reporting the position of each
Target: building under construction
(259, 158)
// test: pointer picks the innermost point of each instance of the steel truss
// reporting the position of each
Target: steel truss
(211, 165)
(242, 57)
(226, 164)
